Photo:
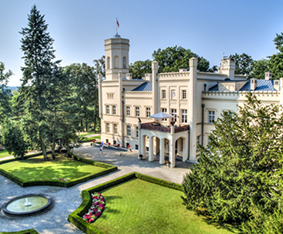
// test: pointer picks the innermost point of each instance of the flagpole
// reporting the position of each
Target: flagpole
(116, 26)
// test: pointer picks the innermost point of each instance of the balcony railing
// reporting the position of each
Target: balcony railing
(153, 126)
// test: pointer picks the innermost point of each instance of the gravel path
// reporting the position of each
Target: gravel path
(66, 200)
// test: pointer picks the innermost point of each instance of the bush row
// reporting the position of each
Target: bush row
(108, 168)
(76, 216)
(89, 139)
(29, 231)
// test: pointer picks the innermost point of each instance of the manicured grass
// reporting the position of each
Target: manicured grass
(4, 153)
(138, 206)
(34, 169)
(88, 139)
(87, 133)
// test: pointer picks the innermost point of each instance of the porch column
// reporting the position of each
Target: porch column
(161, 153)
(157, 144)
(185, 149)
(151, 155)
(140, 140)
(172, 157)
(142, 146)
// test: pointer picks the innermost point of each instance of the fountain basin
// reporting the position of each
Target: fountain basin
(18, 205)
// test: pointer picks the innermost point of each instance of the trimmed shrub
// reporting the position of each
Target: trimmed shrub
(108, 168)
(29, 231)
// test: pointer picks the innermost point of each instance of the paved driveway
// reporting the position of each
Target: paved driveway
(66, 200)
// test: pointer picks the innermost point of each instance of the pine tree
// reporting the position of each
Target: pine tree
(241, 167)
(37, 72)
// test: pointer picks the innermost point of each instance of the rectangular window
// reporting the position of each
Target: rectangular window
(107, 110)
(164, 110)
(173, 94)
(128, 110)
(114, 110)
(114, 142)
(137, 131)
(198, 142)
(136, 147)
(129, 130)
(115, 128)
(184, 116)
(211, 117)
(107, 127)
(148, 112)
(163, 94)
(174, 113)
(137, 111)
(184, 94)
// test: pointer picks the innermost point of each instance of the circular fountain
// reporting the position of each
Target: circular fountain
(27, 204)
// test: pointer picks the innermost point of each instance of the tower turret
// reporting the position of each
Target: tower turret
(116, 57)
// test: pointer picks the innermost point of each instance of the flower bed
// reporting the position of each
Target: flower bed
(96, 208)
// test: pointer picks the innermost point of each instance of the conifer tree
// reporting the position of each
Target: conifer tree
(240, 169)
(37, 72)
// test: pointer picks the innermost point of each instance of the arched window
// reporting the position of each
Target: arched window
(108, 62)
(124, 62)
(116, 62)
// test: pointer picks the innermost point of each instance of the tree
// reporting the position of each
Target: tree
(13, 139)
(243, 63)
(100, 65)
(37, 72)
(172, 59)
(259, 67)
(5, 93)
(241, 167)
(85, 93)
(140, 68)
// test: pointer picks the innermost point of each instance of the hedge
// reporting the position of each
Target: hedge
(90, 139)
(76, 216)
(29, 231)
(108, 168)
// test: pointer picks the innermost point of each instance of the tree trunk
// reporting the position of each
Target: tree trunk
(43, 148)
(53, 136)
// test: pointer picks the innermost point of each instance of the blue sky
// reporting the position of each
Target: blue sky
(209, 28)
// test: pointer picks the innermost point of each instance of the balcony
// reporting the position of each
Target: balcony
(153, 126)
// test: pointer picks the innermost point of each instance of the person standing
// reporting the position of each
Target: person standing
(130, 148)
(101, 149)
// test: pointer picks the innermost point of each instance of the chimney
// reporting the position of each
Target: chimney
(183, 70)
(268, 75)
(129, 76)
(227, 67)
(253, 84)
(276, 84)
(147, 76)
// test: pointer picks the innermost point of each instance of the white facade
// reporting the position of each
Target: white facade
(196, 98)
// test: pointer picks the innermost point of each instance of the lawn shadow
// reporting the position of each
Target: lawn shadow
(219, 225)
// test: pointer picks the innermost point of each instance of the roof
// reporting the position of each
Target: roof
(144, 87)
(262, 85)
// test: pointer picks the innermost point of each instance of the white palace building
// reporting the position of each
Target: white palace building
(194, 98)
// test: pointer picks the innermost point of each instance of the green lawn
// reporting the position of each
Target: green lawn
(87, 133)
(4, 153)
(62, 168)
(138, 207)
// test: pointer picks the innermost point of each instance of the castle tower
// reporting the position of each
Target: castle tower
(116, 57)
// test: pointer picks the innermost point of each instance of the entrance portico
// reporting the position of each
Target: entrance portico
(158, 135)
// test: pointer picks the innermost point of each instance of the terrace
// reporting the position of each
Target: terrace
(155, 126)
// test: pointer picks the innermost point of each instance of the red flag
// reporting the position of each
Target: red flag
(117, 23)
